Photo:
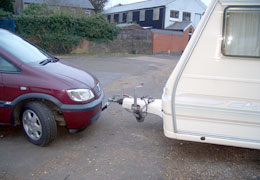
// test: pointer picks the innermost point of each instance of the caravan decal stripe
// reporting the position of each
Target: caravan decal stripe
(219, 78)
(216, 119)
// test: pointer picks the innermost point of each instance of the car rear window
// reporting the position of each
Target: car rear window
(21, 49)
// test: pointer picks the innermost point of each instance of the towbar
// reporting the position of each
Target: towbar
(140, 107)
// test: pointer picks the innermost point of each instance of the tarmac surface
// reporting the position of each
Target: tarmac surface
(116, 147)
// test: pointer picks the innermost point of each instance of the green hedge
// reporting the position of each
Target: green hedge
(5, 14)
(37, 10)
(59, 33)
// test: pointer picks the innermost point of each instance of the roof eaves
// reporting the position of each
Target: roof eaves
(87, 3)
(136, 6)
(131, 10)
(201, 4)
(163, 31)
(188, 26)
(170, 2)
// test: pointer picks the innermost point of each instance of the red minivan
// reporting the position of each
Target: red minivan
(39, 91)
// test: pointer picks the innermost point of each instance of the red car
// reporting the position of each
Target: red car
(40, 91)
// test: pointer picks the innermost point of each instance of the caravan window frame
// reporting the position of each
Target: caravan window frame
(224, 31)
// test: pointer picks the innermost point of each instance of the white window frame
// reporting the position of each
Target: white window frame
(174, 11)
(73, 11)
(156, 14)
(142, 15)
(112, 20)
(183, 16)
(126, 17)
(88, 12)
(130, 16)
(120, 18)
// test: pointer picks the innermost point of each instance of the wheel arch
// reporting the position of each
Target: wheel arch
(53, 103)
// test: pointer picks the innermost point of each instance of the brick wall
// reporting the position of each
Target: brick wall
(139, 42)
(134, 41)
(175, 41)
(121, 46)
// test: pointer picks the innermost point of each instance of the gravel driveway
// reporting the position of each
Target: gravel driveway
(116, 147)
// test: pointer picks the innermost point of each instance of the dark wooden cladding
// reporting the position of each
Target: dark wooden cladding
(149, 22)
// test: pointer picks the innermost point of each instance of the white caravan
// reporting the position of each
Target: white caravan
(213, 94)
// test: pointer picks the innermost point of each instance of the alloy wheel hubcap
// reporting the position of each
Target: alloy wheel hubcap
(32, 125)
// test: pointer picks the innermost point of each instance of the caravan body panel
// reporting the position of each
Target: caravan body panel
(213, 95)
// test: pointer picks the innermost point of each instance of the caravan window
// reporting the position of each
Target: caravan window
(241, 32)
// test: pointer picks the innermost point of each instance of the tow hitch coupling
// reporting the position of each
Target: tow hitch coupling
(138, 106)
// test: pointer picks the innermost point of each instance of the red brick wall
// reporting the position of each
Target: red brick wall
(175, 43)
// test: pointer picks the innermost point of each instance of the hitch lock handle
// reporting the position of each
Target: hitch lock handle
(139, 112)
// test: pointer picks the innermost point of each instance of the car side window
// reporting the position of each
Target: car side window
(7, 67)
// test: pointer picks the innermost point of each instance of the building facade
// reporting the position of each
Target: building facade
(157, 14)
(76, 7)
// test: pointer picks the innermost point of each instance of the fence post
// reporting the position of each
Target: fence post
(8, 24)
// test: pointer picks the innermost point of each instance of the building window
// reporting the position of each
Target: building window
(116, 18)
(186, 16)
(88, 12)
(120, 17)
(142, 15)
(174, 14)
(73, 11)
(109, 18)
(130, 17)
(124, 17)
(112, 18)
(136, 16)
(241, 32)
(156, 14)
(198, 15)
(190, 30)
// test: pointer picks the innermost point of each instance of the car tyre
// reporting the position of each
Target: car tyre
(38, 123)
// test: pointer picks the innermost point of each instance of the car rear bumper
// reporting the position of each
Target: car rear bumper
(78, 117)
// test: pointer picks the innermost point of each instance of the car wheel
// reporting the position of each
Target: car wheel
(38, 123)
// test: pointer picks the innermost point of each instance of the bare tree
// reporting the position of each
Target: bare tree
(6, 5)
(98, 4)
